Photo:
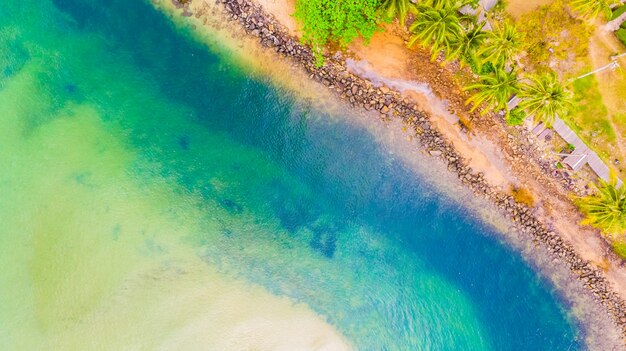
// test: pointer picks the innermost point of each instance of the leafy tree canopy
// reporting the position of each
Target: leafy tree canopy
(332, 21)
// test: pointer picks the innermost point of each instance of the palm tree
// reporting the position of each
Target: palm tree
(607, 209)
(593, 8)
(503, 44)
(494, 90)
(437, 24)
(397, 8)
(545, 98)
(468, 45)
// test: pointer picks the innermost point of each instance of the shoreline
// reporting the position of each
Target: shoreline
(361, 94)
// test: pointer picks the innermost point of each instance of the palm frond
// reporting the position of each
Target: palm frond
(437, 25)
(545, 98)
(493, 90)
(606, 210)
(397, 8)
(502, 44)
(594, 8)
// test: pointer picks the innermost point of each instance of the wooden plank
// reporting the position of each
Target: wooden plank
(513, 102)
(544, 134)
(576, 161)
(599, 167)
(539, 128)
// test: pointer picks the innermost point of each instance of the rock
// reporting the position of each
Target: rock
(435, 153)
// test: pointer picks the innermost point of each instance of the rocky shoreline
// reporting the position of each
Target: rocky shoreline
(361, 93)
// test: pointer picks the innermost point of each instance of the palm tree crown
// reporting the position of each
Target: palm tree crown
(607, 209)
(502, 44)
(494, 90)
(545, 98)
(437, 24)
(397, 8)
(466, 47)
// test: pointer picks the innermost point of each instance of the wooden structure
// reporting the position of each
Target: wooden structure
(582, 154)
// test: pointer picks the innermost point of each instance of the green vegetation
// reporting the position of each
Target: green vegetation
(545, 43)
(589, 113)
(336, 22)
(621, 35)
(494, 90)
(516, 117)
(594, 8)
(618, 11)
(606, 210)
(437, 25)
(619, 247)
(545, 98)
(467, 45)
(397, 8)
(523, 196)
(503, 43)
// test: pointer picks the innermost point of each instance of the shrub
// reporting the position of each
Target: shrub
(523, 196)
(516, 117)
(487, 68)
(337, 22)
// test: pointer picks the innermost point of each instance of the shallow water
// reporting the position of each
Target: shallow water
(155, 196)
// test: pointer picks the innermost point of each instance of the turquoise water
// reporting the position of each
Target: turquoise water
(140, 167)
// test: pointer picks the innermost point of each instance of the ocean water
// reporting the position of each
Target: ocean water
(155, 196)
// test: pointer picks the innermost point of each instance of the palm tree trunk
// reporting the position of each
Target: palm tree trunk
(613, 25)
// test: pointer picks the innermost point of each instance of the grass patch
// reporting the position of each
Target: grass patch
(619, 247)
(620, 119)
(589, 114)
(553, 36)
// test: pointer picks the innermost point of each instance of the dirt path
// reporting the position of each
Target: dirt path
(518, 8)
